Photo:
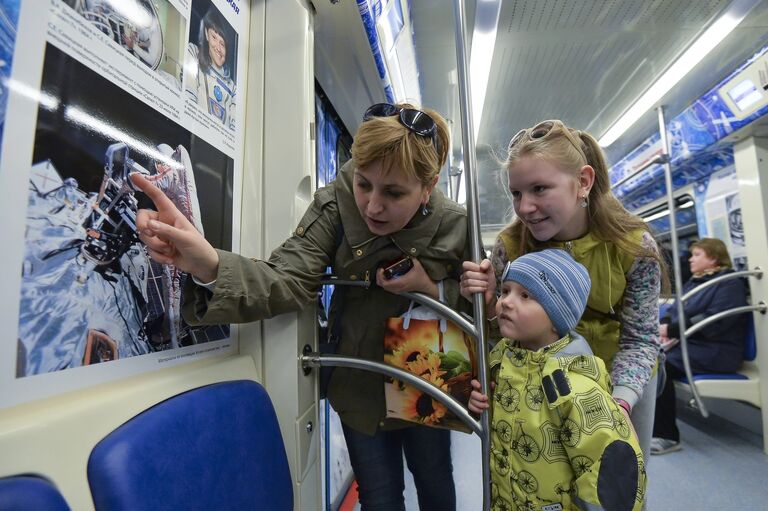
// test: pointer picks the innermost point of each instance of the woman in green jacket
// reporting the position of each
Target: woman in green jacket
(561, 194)
(383, 206)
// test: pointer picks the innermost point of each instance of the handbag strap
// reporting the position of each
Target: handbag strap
(407, 317)
(441, 296)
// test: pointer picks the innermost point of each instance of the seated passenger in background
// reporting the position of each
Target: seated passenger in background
(718, 348)
(557, 435)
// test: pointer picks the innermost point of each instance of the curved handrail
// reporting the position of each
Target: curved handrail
(312, 359)
(439, 307)
(444, 311)
(757, 273)
(759, 307)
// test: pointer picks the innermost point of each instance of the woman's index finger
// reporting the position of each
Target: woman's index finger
(154, 193)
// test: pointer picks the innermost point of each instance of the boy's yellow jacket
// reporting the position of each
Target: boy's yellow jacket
(558, 440)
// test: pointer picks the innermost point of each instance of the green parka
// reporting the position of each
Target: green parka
(332, 233)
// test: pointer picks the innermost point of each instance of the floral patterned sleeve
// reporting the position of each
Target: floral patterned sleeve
(639, 340)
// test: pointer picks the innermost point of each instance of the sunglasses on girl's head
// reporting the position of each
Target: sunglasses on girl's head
(543, 130)
(415, 120)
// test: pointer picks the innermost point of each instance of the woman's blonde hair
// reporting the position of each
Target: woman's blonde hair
(608, 219)
(388, 140)
(715, 249)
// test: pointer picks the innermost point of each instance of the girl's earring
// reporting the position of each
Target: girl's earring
(584, 201)
(424, 210)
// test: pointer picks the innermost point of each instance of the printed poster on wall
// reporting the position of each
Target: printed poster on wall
(95, 91)
(723, 215)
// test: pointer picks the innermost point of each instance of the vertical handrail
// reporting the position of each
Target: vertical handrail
(470, 169)
(676, 261)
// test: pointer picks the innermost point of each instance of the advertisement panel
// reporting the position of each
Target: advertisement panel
(97, 90)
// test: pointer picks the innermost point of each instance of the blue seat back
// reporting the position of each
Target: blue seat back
(27, 492)
(664, 307)
(215, 447)
(750, 340)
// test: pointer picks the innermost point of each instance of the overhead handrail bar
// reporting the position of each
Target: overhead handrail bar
(658, 159)
(310, 359)
(757, 273)
(475, 234)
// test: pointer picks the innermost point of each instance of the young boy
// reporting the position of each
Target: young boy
(559, 442)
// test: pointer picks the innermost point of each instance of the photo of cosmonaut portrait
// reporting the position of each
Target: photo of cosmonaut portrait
(89, 292)
(210, 64)
(153, 31)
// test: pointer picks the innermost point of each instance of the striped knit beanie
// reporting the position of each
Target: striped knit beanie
(556, 281)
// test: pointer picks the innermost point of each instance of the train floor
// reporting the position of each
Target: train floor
(721, 466)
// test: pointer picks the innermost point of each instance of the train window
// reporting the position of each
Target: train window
(343, 150)
(658, 219)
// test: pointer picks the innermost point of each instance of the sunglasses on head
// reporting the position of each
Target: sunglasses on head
(543, 130)
(415, 120)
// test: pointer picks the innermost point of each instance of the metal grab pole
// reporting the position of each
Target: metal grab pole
(676, 260)
(470, 169)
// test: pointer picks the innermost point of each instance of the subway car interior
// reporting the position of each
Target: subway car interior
(231, 416)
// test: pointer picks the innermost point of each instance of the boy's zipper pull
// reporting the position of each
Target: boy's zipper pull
(367, 279)
(569, 247)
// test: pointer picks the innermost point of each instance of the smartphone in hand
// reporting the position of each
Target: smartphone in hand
(398, 268)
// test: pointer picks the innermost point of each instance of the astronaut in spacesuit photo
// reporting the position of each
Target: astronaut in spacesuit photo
(208, 79)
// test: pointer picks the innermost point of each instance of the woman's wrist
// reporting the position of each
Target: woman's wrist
(209, 269)
(431, 289)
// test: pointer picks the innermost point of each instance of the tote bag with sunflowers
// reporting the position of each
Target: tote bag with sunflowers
(436, 350)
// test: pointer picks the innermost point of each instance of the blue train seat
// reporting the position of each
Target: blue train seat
(664, 307)
(742, 385)
(26, 492)
(214, 447)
